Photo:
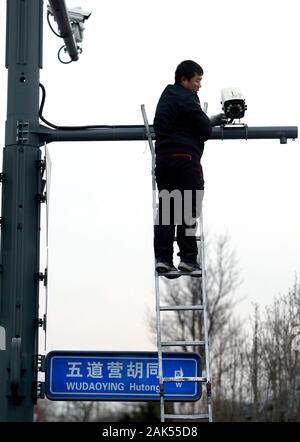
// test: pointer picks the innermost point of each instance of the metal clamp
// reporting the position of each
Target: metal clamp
(40, 390)
(222, 132)
(39, 322)
(40, 363)
(41, 164)
(39, 276)
(246, 130)
(161, 387)
(22, 135)
(208, 389)
(41, 197)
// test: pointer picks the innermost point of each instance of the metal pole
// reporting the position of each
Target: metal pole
(136, 132)
(60, 13)
(19, 254)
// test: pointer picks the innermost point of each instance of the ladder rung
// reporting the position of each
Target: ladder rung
(185, 379)
(186, 416)
(175, 343)
(198, 238)
(176, 273)
(180, 307)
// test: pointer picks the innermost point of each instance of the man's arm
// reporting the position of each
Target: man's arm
(218, 120)
(197, 119)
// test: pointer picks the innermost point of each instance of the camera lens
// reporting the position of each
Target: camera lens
(234, 111)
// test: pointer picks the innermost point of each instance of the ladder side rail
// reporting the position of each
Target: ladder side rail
(205, 317)
(157, 297)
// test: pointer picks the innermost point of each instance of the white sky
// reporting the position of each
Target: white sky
(101, 258)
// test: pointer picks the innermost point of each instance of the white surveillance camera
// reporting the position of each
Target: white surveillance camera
(233, 103)
(78, 15)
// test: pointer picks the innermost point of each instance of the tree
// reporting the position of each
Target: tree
(74, 411)
(279, 359)
(144, 412)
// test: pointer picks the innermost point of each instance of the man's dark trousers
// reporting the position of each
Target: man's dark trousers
(178, 172)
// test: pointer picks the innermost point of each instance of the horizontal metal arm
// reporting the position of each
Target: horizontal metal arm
(60, 13)
(283, 133)
(137, 133)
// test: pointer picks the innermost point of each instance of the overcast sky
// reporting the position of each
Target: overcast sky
(101, 279)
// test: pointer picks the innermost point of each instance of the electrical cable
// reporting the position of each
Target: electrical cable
(72, 127)
(51, 27)
(60, 36)
(60, 59)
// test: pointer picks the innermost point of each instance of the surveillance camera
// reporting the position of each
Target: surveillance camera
(233, 103)
(78, 15)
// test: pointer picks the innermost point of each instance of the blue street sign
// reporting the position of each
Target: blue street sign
(120, 376)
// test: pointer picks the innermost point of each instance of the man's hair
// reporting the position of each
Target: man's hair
(187, 69)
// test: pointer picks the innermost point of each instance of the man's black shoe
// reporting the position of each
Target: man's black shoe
(191, 267)
(163, 268)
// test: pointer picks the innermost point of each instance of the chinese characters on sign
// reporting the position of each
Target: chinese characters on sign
(114, 370)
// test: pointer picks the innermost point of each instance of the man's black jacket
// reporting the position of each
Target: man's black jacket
(180, 124)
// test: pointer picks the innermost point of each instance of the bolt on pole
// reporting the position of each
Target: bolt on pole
(21, 180)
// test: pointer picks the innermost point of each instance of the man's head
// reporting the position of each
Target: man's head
(189, 75)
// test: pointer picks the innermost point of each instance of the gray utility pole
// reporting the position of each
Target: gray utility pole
(22, 195)
(21, 199)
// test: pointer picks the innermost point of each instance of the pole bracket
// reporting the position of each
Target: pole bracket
(40, 390)
(41, 322)
(39, 387)
(41, 164)
(42, 277)
(41, 197)
(40, 363)
(22, 136)
(208, 389)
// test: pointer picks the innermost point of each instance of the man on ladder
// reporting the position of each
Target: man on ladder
(181, 128)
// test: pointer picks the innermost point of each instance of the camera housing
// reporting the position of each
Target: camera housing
(77, 17)
(233, 103)
(78, 14)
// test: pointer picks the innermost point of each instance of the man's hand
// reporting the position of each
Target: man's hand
(218, 120)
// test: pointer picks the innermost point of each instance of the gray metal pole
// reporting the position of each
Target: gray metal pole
(19, 254)
(134, 133)
(59, 10)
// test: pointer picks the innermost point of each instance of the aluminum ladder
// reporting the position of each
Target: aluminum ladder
(201, 308)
